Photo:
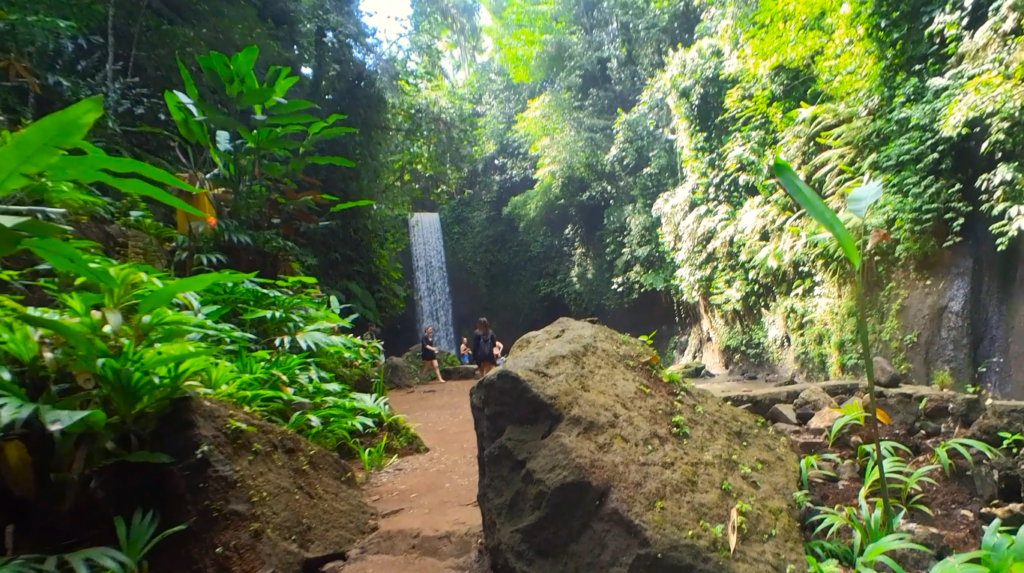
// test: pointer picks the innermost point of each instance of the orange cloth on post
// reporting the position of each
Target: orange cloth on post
(201, 201)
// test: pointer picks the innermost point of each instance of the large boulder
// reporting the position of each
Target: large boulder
(398, 374)
(589, 462)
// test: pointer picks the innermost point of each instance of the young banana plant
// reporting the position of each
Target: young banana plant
(858, 203)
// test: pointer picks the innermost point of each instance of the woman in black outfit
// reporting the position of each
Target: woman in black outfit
(484, 345)
(428, 352)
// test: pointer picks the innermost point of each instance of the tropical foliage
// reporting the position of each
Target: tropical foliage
(93, 352)
(624, 155)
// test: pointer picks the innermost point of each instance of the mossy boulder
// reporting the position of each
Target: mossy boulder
(689, 369)
(397, 374)
(590, 462)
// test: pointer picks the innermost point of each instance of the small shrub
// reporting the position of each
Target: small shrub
(943, 379)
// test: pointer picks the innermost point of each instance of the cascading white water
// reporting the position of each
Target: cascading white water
(430, 279)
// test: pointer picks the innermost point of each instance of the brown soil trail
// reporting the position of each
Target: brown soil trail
(429, 520)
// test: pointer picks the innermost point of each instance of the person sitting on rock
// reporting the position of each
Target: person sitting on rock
(428, 352)
(464, 354)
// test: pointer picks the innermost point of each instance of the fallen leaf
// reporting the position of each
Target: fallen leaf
(733, 529)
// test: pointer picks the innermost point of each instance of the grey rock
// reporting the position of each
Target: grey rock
(929, 429)
(804, 415)
(929, 537)
(815, 399)
(783, 414)
(786, 429)
(805, 444)
(986, 482)
(885, 375)
(397, 373)
(847, 471)
(824, 419)
(1011, 514)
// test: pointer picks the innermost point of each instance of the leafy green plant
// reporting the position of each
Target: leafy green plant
(54, 151)
(679, 426)
(375, 457)
(961, 446)
(139, 537)
(871, 535)
(810, 468)
(135, 540)
(999, 553)
(1011, 441)
(843, 424)
(824, 566)
(858, 203)
(129, 351)
(943, 379)
(259, 148)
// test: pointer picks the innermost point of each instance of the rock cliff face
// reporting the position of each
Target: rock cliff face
(588, 462)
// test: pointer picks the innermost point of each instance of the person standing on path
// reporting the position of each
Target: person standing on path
(484, 345)
(464, 353)
(428, 352)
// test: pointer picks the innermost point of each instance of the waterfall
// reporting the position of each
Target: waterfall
(430, 279)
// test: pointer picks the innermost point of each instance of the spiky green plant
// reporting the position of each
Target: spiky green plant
(962, 446)
(858, 203)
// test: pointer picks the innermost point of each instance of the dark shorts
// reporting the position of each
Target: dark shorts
(428, 356)
(485, 361)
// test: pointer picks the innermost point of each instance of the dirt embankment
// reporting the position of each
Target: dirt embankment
(257, 498)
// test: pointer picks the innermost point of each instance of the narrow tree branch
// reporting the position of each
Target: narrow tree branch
(135, 36)
(110, 51)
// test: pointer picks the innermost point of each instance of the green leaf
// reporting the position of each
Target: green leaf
(291, 118)
(92, 168)
(331, 120)
(33, 149)
(816, 208)
(220, 65)
(140, 187)
(32, 226)
(329, 133)
(284, 83)
(72, 420)
(163, 296)
(243, 62)
(351, 204)
(291, 107)
(188, 127)
(76, 337)
(330, 160)
(64, 257)
(257, 96)
(861, 198)
(10, 241)
(186, 77)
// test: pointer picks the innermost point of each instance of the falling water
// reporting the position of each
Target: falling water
(430, 278)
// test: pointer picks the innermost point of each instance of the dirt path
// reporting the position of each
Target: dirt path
(429, 520)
